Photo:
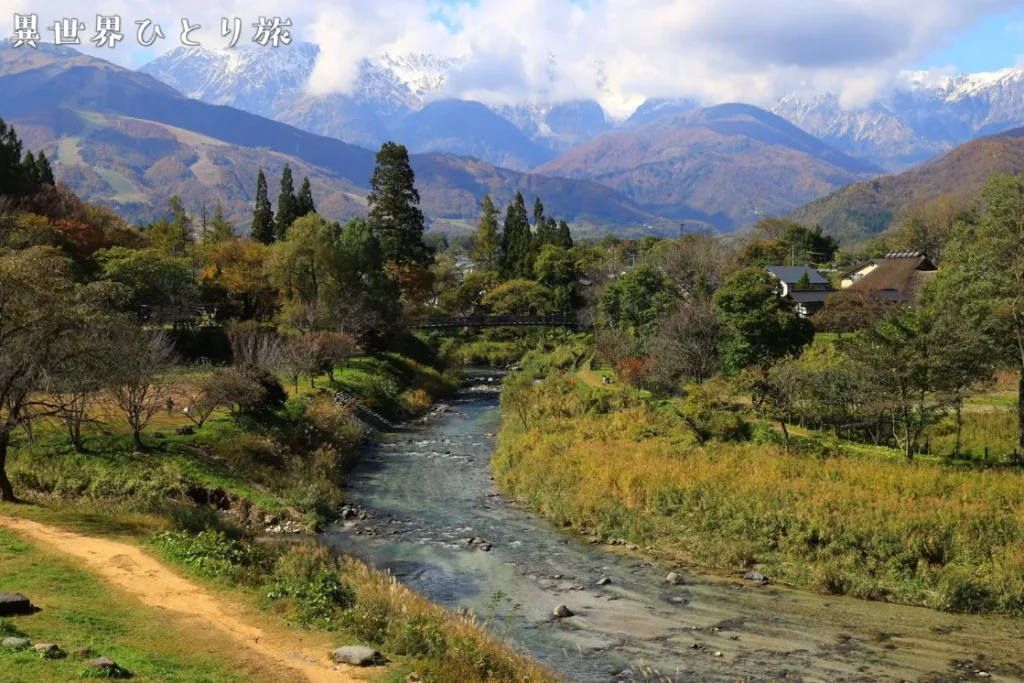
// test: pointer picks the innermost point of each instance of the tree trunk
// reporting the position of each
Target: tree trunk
(1020, 409)
(785, 434)
(137, 438)
(6, 489)
(959, 428)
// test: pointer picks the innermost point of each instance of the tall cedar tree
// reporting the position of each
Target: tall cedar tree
(486, 253)
(263, 214)
(21, 177)
(304, 202)
(287, 205)
(563, 236)
(394, 217)
(516, 240)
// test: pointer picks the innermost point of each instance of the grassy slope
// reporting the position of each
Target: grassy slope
(80, 611)
(854, 520)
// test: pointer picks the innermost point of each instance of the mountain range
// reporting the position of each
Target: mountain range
(123, 138)
(918, 117)
(200, 123)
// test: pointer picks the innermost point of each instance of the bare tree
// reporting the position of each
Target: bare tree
(299, 358)
(254, 345)
(331, 349)
(139, 388)
(201, 398)
(698, 263)
(686, 343)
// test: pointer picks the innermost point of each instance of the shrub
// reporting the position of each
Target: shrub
(308, 579)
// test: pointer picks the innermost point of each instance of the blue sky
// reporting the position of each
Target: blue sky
(994, 42)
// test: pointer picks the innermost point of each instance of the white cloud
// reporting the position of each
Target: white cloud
(716, 50)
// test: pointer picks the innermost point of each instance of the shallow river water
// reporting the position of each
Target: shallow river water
(427, 489)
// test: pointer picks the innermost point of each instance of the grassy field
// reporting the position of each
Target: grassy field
(837, 518)
(78, 610)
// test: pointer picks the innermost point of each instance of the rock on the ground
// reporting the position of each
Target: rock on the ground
(14, 604)
(81, 652)
(102, 663)
(15, 643)
(357, 655)
(603, 581)
(185, 431)
(674, 579)
(756, 576)
(562, 612)
(46, 647)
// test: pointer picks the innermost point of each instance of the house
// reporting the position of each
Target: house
(896, 278)
(808, 297)
(857, 272)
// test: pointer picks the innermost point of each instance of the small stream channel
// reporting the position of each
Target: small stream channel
(426, 489)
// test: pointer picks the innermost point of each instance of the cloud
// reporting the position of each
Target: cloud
(619, 51)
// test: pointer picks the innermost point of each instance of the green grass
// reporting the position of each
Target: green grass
(78, 610)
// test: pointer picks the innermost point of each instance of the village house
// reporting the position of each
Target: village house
(896, 278)
(804, 286)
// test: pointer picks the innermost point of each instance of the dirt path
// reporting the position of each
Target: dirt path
(153, 584)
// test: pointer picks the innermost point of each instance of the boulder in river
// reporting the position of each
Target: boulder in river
(674, 579)
(357, 655)
(562, 612)
(14, 604)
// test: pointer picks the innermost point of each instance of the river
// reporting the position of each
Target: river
(426, 490)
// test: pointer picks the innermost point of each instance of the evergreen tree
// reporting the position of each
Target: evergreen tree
(538, 214)
(547, 232)
(263, 214)
(487, 250)
(30, 174)
(563, 236)
(220, 229)
(394, 216)
(304, 202)
(45, 171)
(173, 236)
(287, 205)
(516, 240)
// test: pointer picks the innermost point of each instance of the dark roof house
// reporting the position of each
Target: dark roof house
(899, 277)
(811, 297)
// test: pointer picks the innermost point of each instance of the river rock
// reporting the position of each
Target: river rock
(15, 643)
(357, 655)
(757, 577)
(674, 579)
(562, 612)
(14, 604)
(603, 581)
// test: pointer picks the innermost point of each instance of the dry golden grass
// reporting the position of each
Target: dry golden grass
(877, 528)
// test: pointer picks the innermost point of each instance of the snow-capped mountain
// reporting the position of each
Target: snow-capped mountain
(920, 117)
(270, 82)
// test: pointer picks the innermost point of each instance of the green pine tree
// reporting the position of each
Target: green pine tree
(486, 253)
(304, 202)
(538, 214)
(394, 214)
(220, 229)
(804, 283)
(563, 236)
(45, 171)
(263, 213)
(517, 240)
(287, 205)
